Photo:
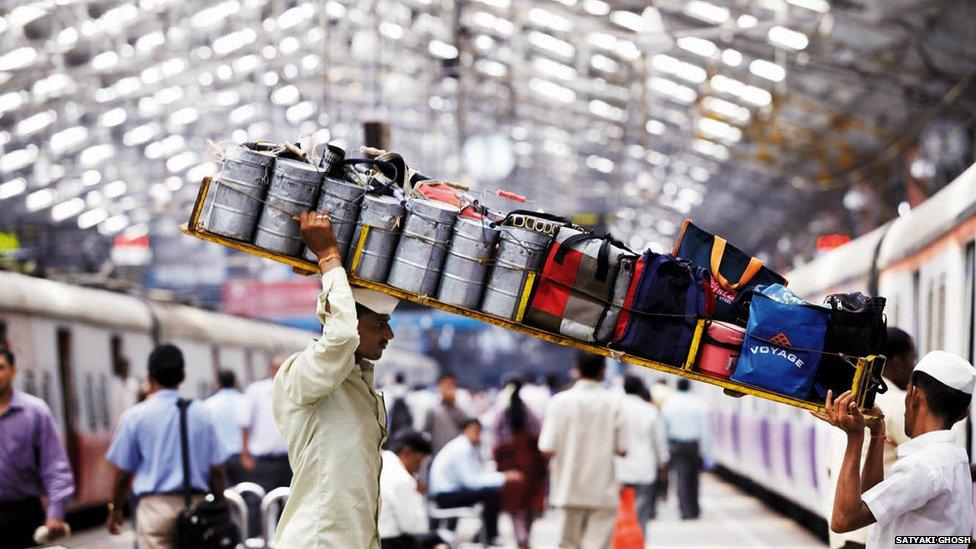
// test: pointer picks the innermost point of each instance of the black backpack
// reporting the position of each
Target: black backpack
(400, 416)
(856, 328)
(207, 525)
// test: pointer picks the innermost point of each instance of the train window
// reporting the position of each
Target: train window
(30, 382)
(3, 333)
(46, 388)
(969, 309)
(930, 316)
(916, 310)
(103, 400)
(120, 365)
(940, 318)
(90, 401)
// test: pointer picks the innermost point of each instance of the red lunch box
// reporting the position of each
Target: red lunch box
(720, 347)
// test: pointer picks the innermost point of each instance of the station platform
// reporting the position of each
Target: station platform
(730, 518)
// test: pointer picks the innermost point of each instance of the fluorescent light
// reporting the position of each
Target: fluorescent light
(596, 7)
(746, 21)
(750, 94)
(717, 129)
(22, 15)
(552, 44)
(545, 18)
(184, 116)
(604, 63)
(821, 6)
(67, 209)
(627, 49)
(18, 59)
(105, 60)
(552, 90)
(36, 122)
(767, 69)
(198, 172)
(141, 134)
(706, 11)
(174, 183)
(599, 163)
(169, 95)
(233, 41)
(602, 40)
(91, 177)
(606, 110)
(12, 188)
(698, 46)
(91, 218)
(242, 114)
(669, 88)
(655, 127)
(96, 154)
(214, 15)
(15, 160)
(439, 48)
(113, 224)
(391, 30)
(38, 200)
(289, 45)
(490, 67)
(731, 57)
(11, 101)
(285, 95)
(727, 109)
(181, 161)
(555, 69)
(299, 112)
(150, 41)
(67, 139)
(788, 38)
(113, 118)
(677, 67)
(710, 148)
(627, 19)
(114, 189)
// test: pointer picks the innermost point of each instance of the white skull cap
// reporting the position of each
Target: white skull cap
(377, 302)
(950, 369)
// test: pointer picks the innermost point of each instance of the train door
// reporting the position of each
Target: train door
(69, 399)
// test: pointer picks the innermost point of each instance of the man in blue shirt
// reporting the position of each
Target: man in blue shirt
(225, 408)
(146, 454)
(458, 477)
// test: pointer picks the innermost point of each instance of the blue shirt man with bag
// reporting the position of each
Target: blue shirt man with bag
(146, 453)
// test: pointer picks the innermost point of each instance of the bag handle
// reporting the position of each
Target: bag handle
(551, 217)
(718, 250)
(603, 256)
(185, 453)
(387, 168)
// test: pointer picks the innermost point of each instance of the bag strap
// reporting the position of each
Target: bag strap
(603, 256)
(551, 217)
(183, 404)
(718, 250)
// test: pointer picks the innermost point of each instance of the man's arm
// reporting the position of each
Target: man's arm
(121, 481)
(247, 460)
(849, 510)
(472, 474)
(218, 481)
(59, 483)
(873, 471)
(548, 432)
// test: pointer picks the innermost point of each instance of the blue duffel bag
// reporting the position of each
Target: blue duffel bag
(783, 343)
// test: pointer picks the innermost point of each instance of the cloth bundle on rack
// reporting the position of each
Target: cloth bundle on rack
(733, 271)
(856, 327)
(574, 293)
(783, 344)
(665, 299)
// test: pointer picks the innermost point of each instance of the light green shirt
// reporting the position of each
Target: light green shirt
(334, 424)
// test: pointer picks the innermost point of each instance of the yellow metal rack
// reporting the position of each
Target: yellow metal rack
(863, 370)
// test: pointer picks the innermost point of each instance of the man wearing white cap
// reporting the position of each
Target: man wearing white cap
(928, 492)
(330, 416)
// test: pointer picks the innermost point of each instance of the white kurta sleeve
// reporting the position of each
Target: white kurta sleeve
(906, 489)
(312, 374)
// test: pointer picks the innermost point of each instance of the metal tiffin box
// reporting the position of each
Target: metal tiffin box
(467, 263)
(293, 190)
(381, 217)
(241, 186)
(523, 242)
(420, 253)
(340, 198)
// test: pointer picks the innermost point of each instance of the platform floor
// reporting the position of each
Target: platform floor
(730, 518)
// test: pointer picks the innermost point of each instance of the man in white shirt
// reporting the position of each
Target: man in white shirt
(583, 430)
(901, 358)
(403, 520)
(688, 439)
(264, 453)
(225, 407)
(458, 477)
(328, 412)
(647, 451)
(929, 490)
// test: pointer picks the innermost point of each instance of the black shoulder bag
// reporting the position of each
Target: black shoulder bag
(207, 525)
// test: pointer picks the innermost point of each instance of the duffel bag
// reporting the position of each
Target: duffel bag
(856, 328)
(783, 344)
(733, 271)
(575, 287)
(663, 303)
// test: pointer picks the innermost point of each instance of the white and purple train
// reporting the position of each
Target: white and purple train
(924, 263)
(69, 340)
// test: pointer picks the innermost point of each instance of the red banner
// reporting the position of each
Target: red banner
(272, 300)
